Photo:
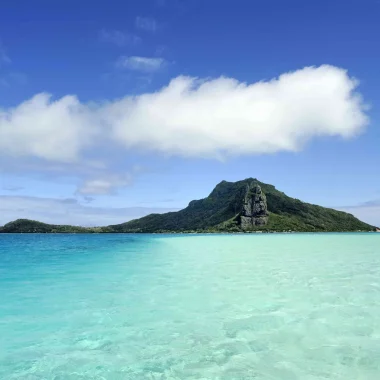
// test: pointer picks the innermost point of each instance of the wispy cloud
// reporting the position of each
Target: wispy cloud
(144, 64)
(368, 211)
(161, 3)
(68, 211)
(13, 188)
(146, 23)
(18, 78)
(160, 50)
(174, 4)
(165, 200)
(9, 79)
(119, 38)
(108, 184)
(372, 203)
(105, 182)
(4, 57)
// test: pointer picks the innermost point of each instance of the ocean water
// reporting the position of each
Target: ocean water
(117, 307)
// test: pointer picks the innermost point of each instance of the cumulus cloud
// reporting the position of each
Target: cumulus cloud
(68, 211)
(191, 117)
(44, 128)
(140, 63)
(146, 23)
(119, 38)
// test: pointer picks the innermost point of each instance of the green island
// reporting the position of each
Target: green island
(244, 206)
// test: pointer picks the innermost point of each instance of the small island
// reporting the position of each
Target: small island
(244, 206)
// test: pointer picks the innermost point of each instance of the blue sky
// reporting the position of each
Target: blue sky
(153, 102)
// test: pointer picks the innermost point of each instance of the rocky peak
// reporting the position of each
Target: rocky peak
(255, 210)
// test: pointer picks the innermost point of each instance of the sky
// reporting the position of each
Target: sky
(112, 110)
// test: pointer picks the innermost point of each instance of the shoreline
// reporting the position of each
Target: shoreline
(190, 233)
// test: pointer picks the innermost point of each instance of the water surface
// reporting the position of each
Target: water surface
(278, 306)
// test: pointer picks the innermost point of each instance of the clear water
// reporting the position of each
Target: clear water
(297, 306)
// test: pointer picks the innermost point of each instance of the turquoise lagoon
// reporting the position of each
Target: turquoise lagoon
(276, 306)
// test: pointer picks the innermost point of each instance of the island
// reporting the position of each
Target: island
(232, 207)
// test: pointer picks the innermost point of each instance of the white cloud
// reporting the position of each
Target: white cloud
(191, 117)
(146, 23)
(140, 63)
(68, 211)
(96, 186)
(52, 130)
(119, 38)
(218, 117)
(104, 182)
(106, 185)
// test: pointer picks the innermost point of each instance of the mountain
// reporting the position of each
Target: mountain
(247, 205)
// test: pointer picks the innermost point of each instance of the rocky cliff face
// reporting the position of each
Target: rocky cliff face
(255, 209)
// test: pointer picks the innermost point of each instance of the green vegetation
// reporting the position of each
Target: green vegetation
(219, 213)
(32, 226)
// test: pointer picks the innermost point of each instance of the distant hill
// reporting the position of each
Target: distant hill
(221, 211)
(32, 226)
(247, 205)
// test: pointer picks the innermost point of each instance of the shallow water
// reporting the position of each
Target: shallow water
(278, 306)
